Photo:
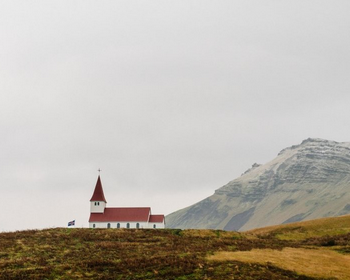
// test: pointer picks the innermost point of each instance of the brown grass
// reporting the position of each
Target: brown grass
(312, 262)
(172, 254)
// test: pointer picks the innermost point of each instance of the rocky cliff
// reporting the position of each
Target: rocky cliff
(306, 181)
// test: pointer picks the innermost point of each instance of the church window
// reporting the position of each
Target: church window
(127, 225)
(108, 225)
(93, 225)
(154, 226)
(95, 203)
(137, 225)
(118, 225)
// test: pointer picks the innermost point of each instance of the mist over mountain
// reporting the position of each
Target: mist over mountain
(304, 182)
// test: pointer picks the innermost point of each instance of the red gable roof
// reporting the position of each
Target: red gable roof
(128, 214)
(98, 194)
(156, 218)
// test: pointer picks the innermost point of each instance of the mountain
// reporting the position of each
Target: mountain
(304, 182)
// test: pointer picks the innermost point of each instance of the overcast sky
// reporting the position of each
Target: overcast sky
(171, 99)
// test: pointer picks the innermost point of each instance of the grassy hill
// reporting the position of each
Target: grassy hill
(317, 249)
(308, 229)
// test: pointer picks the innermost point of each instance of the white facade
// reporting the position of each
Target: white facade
(97, 206)
(141, 225)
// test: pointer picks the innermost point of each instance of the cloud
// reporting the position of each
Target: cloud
(170, 100)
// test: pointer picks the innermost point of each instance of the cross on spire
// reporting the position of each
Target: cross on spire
(99, 171)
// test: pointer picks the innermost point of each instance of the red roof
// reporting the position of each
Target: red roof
(156, 218)
(98, 192)
(128, 214)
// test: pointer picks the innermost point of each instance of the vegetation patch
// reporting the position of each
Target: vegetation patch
(308, 229)
(62, 253)
(312, 262)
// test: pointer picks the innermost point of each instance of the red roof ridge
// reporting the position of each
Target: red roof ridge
(98, 194)
(129, 207)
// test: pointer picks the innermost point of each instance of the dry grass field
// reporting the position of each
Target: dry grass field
(62, 253)
(312, 262)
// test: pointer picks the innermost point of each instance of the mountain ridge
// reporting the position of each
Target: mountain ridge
(306, 181)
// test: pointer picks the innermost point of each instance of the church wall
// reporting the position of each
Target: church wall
(97, 206)
(158, 225)
(124, 225)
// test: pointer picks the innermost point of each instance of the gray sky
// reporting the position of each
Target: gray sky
(171, 99)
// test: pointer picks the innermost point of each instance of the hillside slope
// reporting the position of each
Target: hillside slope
(175, 254)
(318, 228)
(306, 181)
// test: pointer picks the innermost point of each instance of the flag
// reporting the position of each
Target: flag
(71, 223)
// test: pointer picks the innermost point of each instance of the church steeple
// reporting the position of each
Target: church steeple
(98, 194)
(98, 201)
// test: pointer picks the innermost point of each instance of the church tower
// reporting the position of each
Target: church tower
(98, 201)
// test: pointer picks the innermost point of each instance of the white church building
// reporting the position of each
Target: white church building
(120, 217)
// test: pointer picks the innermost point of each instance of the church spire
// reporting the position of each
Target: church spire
(98, 194)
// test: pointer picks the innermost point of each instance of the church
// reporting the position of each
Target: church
(120, 217)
